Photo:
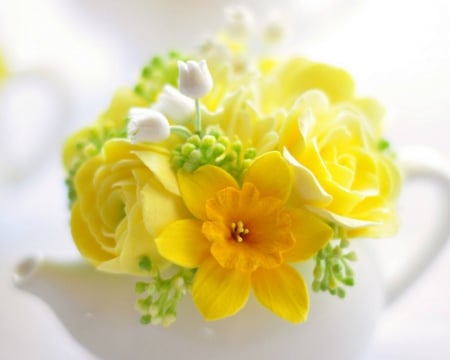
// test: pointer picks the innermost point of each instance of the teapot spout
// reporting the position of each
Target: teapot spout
(51, 280)
(74, 287)
(27, 271)
(92, 305)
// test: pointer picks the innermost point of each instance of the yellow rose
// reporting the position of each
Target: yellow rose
(125, 196)
(342, 172)
(253, 105)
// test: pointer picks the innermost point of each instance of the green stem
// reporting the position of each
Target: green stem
(181, 131)
(198, 118)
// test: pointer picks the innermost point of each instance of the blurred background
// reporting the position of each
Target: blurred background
(66, 57)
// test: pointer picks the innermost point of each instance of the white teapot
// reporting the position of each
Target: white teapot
(96, 307)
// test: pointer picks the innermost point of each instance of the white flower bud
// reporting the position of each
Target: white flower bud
(275, 30)
(147, 125)
(176, 106)
(194, 78)
(215, 51)
(239, 21)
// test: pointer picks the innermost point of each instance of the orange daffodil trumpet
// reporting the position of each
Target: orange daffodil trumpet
(243, 238)
(214, 177)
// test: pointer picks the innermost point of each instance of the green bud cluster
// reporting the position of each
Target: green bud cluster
(160, 295)
(332, 270)
(383, 145)
(213, 148)
(88, 147)
(158, 72)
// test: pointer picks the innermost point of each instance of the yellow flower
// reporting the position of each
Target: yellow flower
(253, 105)
(341, 174)
(3, 69)
(125, 196)
(331, 138)
(243, 238)
(88, 140)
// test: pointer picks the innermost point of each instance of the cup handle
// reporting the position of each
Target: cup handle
(422, 163)
(50, 83)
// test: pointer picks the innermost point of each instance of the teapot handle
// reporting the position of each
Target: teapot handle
(422, 163)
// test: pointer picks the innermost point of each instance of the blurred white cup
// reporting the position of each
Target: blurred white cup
(34, 110)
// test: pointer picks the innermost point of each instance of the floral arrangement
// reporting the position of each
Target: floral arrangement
(220, 171)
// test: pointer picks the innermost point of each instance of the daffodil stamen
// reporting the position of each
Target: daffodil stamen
(238, 231)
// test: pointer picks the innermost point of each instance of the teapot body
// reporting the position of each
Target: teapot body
(97, 309)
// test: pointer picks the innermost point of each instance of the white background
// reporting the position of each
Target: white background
(397, 51)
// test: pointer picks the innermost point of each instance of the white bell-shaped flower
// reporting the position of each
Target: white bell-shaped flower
(173, 104)
(240, 21)
(147, 125)
(194, 78)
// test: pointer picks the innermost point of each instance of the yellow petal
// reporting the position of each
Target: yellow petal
(85, 242)
(183, 243)
(122, 101)
(159, 206)
(139, 243)
(374, 112)
(345, 221)
(311, 234)
(159, 165)
(283, 291)
(203, 184)
(271, 174)
(219, 292)
(307, 188)
(336, 83)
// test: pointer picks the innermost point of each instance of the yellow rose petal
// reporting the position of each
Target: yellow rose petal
(203, 184)
(307, 187)
(283, 291)
(183, 243)
(138, 244)
(336, 83)
(159, 207)
(159, 165)
(219, 292)
(85, 242)
(345, 221)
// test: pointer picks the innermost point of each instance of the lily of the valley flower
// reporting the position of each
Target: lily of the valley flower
(147, 125)
(243, 238)
(239, 21)
(176, 106)
(195, 79)
(275, 29)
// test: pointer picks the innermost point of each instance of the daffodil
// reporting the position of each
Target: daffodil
(244, 237)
